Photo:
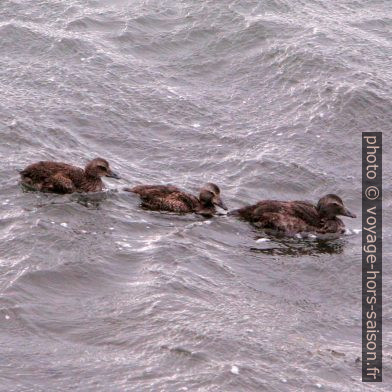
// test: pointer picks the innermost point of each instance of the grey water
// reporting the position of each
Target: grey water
(266, 98)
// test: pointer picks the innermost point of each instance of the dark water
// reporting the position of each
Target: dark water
(267, 99)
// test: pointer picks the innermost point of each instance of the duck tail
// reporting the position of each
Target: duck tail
(234, 212)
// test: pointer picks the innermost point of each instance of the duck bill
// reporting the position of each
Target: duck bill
(218, 202)
(112, 174)
(349, 214)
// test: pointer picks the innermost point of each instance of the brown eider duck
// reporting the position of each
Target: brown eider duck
(58, 177)
(291, 217)
(172, 199)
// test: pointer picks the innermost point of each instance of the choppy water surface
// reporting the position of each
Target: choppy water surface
(267, 99)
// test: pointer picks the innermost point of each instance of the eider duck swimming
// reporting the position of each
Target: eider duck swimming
(58, 177)
(292, 217)
(172, 199)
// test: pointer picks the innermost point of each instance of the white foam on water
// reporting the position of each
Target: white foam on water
(64, 224)
(123, 244)
(234, 370)
(263, 240)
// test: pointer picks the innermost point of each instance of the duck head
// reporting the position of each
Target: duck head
(99, 167)
(331, 206)
(210, 196)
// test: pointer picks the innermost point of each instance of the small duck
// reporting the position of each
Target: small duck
(291, 217)
(171, 198)
(59, 177)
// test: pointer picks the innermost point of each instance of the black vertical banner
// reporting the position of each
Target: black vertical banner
(372, 257)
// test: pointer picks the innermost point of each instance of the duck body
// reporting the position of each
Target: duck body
(292, 217)
(166, 198)
(59, 177)
(172, 199)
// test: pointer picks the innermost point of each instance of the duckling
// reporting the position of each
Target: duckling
(172, 199)
(291, 217)
(59, 177)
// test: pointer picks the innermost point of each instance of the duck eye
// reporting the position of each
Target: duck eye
(102, 167)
